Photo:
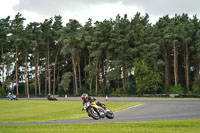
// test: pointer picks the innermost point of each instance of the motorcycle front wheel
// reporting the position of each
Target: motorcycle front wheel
(110, 114)
(93, 113)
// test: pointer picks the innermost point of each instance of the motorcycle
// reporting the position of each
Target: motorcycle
(97, 112)
(51, 98)
(12, 97)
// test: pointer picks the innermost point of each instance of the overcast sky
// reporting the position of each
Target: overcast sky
(38, 10)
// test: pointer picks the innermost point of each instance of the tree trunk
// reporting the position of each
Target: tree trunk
(12, 85)
(48, 67)
(85, 73)
(54, 77)
(124, 79)
(91, 84)
(46, 76)
(128, 79)
(106, 76)
(75, 79)
(46, 83)
(16, 72)
(105, 73)
(103, 76)
(118, 82)
(187, 68)
(26, 74)
(58, 76)
(7, 72)
(38, 74)
(197, 75)
(167, 70)
(54, 72)
(118, 78)
(49, 80)
(175, 65)
(79, 71)
(97, 80)
(90, 77)
(2, 55)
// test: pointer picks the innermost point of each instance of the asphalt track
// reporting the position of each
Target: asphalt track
(153, 109)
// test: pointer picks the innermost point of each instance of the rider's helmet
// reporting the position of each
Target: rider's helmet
(84, 97)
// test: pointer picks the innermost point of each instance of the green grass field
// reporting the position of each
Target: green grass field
(184, 126)
(35, 111)
(159, 98)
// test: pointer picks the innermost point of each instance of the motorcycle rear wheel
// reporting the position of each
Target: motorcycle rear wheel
(93, 113)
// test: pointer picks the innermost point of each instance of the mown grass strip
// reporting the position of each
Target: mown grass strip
(35, 111)
(157, 98)
(184, 126)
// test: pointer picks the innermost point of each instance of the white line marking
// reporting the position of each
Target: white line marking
(129, 108)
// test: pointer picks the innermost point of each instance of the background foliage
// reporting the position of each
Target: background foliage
(115, 57)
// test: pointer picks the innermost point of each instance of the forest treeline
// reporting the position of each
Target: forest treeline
(116, 56)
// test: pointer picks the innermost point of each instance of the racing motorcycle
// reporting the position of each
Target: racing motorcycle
(12, 97)
(51, 98)
(97, 112)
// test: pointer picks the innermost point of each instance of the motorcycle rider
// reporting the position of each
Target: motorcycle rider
(85, 97)
(9, 96)
(51, 97)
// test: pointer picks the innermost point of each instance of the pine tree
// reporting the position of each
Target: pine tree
(46, 28)
(17, 29)
(57, 30)
(72, 35)
(4, 31)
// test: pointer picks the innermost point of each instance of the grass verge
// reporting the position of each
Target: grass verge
(158, 98)
(35, 111)
(184, 126)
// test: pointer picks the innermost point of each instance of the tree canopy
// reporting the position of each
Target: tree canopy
(115, 56)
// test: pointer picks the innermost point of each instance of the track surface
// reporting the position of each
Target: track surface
(151, 110)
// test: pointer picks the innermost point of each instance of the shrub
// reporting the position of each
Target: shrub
(176, 90)
(2, 92)
(117, 91)
(82, 90)
(195, 88)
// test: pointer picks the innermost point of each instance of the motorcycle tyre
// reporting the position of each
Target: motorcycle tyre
(95, 117)
(110, 115)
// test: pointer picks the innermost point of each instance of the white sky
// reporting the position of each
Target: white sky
(81, 10)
